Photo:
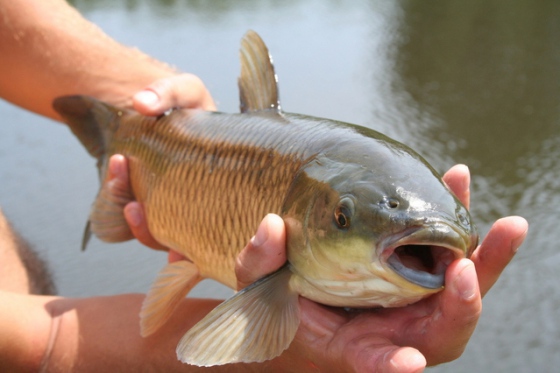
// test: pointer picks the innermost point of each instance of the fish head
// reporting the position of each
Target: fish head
(378, 232)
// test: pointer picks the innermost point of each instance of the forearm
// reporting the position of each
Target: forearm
(48, 49)
(24, 331)
(93, 335)
(103, 334)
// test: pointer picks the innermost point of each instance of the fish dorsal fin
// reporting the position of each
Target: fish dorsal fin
(258, 84)
(256, 324)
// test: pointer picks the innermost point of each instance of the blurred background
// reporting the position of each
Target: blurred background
(472, 82)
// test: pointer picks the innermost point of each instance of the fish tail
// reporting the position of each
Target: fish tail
(94, 122)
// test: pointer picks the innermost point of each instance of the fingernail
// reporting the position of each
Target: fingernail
(147, 97)
(262, 235)
(466, 282)
(516, 242)
(116, 166)
(465, 181)
(405, 359)
(133, 214)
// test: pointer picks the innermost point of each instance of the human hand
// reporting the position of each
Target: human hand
(429, 332)
(179, 91)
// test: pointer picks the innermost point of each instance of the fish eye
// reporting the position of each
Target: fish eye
(343, 213)
(341, 219)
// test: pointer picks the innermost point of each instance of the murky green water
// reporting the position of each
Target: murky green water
(472, 82)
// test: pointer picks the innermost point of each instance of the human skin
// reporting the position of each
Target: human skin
(49, 50)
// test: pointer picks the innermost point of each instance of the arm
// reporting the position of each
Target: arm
(91, 335)
(48, 49)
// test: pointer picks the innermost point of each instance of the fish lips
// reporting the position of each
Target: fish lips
(422, 254)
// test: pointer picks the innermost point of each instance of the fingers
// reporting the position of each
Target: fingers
(443, 334)
(116, 192)
(117, 182)
(399, 359)
(501, 243)
(185, 91)
(372, 353)
(382, 356)
(331, 340)
(458, 314)
(497, 249)
(134, 215)
(458, 179)
(264, 254)
(118, 169)
(174, 256)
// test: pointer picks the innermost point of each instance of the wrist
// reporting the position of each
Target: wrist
(25, 325)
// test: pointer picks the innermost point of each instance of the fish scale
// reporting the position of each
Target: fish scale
(222, 200)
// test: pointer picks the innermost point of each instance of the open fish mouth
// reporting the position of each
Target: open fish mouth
(422, 255)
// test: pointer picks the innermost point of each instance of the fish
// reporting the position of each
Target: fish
(369, 222)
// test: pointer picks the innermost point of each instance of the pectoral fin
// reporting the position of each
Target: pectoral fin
(173, 283)
(256, 324)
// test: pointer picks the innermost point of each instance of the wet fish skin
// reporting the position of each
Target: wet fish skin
(355, 204)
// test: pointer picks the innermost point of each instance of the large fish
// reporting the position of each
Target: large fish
(369, 222)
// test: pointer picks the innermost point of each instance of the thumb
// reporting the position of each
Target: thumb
(178, 91)
(264, 254)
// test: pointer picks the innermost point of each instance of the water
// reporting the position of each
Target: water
(461, 82)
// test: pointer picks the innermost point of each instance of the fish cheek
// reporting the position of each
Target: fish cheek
(331, 237)
(308, 224)
(298, 212)
(315, 238)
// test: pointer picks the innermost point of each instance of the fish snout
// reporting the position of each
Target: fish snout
(422, 254)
